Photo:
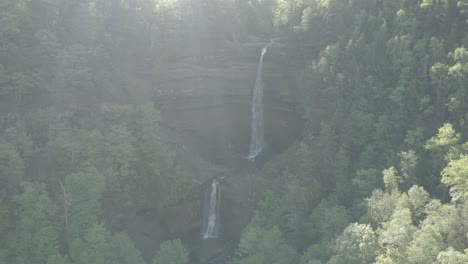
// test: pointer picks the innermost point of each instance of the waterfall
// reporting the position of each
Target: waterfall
(212, 199)
(256, 140)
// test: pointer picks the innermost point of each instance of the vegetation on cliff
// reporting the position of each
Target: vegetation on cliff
(380, 174)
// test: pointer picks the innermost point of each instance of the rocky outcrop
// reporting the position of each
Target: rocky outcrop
(205, 105)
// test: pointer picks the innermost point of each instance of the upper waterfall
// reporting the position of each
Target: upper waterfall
(256, 140)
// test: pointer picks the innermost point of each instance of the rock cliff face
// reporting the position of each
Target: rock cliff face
(211, 100)
(205, 105)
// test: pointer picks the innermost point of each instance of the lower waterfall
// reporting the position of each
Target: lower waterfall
(211, 219)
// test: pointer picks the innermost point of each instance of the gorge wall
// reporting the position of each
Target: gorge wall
(205, 104)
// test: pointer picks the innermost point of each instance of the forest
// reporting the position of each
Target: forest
(125, 127)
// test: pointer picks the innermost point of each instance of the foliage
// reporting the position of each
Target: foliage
(266, 246)
(357, 244)
(171, 252)
(11, 169)
(380, 85)
(455, 175)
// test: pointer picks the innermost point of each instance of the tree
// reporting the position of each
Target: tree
(357, 244)
(36, 236)
(123, 251)
(418, 198)
(366, 180)
(97, 245)
(266, 246)
(158, 182)
(390, 179)
(446, 138)
(317, 253)
(82, 194)
(11, 174)
(425, 247)
(451, 256)
(408, 163)
(396, 235)
(447, 219)
(11, 169)
(381, 205)
(455, 175)
(326, 222)
(114, 155)
(92, 246)
(171, 251)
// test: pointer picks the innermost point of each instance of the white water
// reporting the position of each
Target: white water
(256, 140)
(211, 225)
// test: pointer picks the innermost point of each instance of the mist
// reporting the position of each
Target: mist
(233, 131)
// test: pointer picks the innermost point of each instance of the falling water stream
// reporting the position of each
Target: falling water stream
(256, 140)
(211, 226)
(213, 195)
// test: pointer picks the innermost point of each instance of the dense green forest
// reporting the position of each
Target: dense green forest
(379, 173)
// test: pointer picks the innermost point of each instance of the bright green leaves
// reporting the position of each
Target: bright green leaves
(357, 244)
(397, 234)
(446, 144)
(390, 179)
(425, 247)
(451, 256)
(439, 74)
(418, 199)
(171, 252)
(445, 138)
(381, 205)
(455, 175)
(416, 229)
(451, 80)
(448, 220)
(287, 14)
(460, 55)
(426, 3)
(463, 7)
